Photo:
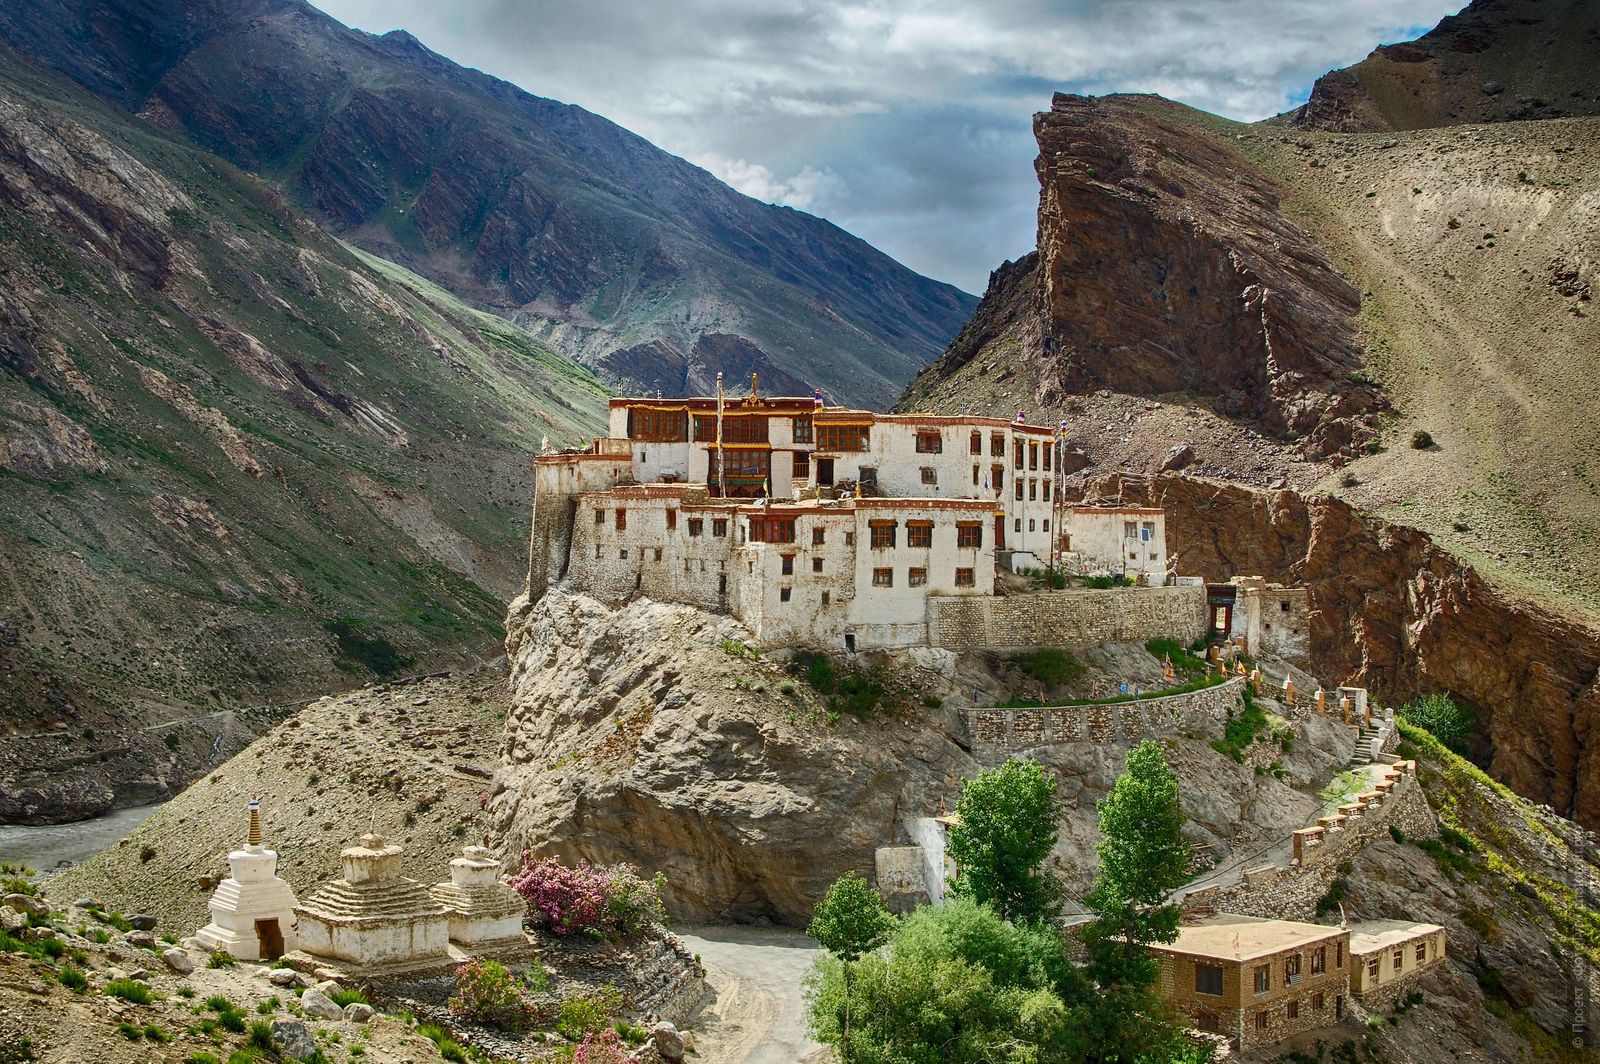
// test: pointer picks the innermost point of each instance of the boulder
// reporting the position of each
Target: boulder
(358, 1012)
(292, 1041)
(141, 939)
(281, 976)
(142, 922)
(668, 1042)
(1179, 457)
(178, 960)
(320, 1006)
(27, 903)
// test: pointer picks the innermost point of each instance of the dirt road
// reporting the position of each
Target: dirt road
(759, 1014)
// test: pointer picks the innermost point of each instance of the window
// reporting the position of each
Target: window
(1130, 529)
(1372, 966)
(1338, 955)
(772, 530)
(1017, 452)
(1422, 952)
(969, 533)
(1033, 490)
(697, 525)
(1045, 525)
(1019, 489)
(966, 578)
(1291, 1011)
(1338, 1006)
(1207, 979)
(1207, 1021)
(916, 577)
(719, 526)
(843, 436)
(1033, 456)
(883, 578)
(599, 517)
(999, 477)
(1030, 524)
(622, 519)
(882, 534)
(1261, 1021)
(1047, 451)
(736, 428)
(997, 445)
(657, 555)
(623, 554)
(1016, 525)
(1047, 491)
(1291, 970)
(919, 534)
(661, 426)
(788, 565)
(800, 468)
(849, 539)
(974, 476)
(644, 456)
(1399, 959)
(1319, 960)
(1263, 978)
(1318, 1002)
(930, 475)
(802, 430)
(816, 565)
(783, 594)
(672, 520)
(930, 443)
(1284, 606)
(819, 536)
(975, 445)
(1147, 530)
(826, 598)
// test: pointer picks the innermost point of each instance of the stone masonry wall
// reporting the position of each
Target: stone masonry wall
(997, 733)
(1072, 618)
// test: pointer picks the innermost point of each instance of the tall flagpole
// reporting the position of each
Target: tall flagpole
(722, 465)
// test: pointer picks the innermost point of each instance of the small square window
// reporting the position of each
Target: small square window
(788, 565)
(719, 526)
(816, 565)
(819, 536)
(916, 576)
(783, 594)
(826, 598)
(1291, 1011)
(599, 517)
(623, 554)
(697, 525)
(966, 578)
(929, 475)
(883, 577)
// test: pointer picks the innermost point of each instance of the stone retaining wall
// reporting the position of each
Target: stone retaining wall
(1291, 892)
(997, 733)
(1074, 619)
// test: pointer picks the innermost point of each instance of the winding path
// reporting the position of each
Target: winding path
(759, 1015)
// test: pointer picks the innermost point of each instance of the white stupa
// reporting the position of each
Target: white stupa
(252, 911)
(484, 911)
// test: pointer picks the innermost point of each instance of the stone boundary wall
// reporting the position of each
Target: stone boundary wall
(1075, 619)
(997, 733)
(1292, 892)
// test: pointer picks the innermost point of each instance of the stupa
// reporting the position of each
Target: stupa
(483, 910)
(372, 916)
(252, 911)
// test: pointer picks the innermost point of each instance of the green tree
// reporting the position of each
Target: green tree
(1450, 723)
(1007, 825)
(1143, 857)
(850, 921)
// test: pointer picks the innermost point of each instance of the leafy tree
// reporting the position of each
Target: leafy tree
(1008, 823)
(1143, 857)
(850, 921)
(1450, 723)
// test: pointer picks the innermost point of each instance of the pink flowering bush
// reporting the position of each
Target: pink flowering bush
(601, 1047)
(583, 898)
(487, 994)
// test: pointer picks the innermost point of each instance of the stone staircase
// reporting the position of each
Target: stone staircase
(1363, 751)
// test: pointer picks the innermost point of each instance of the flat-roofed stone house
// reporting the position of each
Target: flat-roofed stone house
(1386, 956)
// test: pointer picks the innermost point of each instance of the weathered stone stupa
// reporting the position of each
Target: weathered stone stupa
(252, 911)
(483, 910)
(372, 916)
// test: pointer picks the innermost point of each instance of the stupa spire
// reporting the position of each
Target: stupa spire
(254, 836)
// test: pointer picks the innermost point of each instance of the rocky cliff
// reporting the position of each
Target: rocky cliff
(616, 252)
(239, 465)
(1495, 61)
(1391, 611)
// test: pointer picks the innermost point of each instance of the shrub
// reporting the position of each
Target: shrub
(1451, 724)
(448, 1048)
(73, 980)
(129, 990)
(1329, 902)
(614, 902)
(586, 1014)
(156, 1034)
(1051, 666)
(1421, 439)
(221, 959)
(601, 1047)
(130, 1031)
(1241, 729)
(487, 994)
(349, 996)
(260, 1036)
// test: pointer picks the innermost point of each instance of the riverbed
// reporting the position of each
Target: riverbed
(48, 848)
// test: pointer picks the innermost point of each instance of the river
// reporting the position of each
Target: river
(51, 847)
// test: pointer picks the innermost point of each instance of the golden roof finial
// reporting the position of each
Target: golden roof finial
(755, 384)
(254, 836)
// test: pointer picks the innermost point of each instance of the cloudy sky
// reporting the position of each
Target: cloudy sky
(905, 121)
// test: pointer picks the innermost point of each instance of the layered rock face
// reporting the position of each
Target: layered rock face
(1496, 61)
(1392, 612)
(1165, 265)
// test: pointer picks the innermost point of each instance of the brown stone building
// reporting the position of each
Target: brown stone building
(1386, 955)
(1256, 981)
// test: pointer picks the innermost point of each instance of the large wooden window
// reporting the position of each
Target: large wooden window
(852, 436)
(736, 428)
(1020, 450)
(772, 530)
(930, 442)
(800, 468)
(747, 470)
(658, 426)
(919, 533)
(802, 429)
(975, 445)
(1263, 978)
(1207, 979)
(882, 534)
(969, 533)
(1319, 960)
(1291, 969)
(622, 519)
(997, 445)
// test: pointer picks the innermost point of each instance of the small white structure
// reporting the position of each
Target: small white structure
(1131, 540)
(252, 911)
(483, 911)
(372, 916)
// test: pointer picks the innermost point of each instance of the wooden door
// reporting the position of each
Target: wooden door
(999, 531)
(269, 937)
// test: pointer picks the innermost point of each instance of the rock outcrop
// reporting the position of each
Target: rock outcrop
(1164, 265)
(1495, 61)
(1392, 612)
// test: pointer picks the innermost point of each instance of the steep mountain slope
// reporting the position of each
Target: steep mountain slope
(239, 464)
(1472, 248)
(1496, 61)
(632, 260)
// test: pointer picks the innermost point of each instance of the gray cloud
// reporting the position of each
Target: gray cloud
(905, 121)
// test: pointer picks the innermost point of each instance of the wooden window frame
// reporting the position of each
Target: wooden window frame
(883, 534)
(883, 576)
(919, 535)
(966, 577)
(916, 576)
(969, 535)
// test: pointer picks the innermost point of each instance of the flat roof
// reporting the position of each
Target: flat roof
(1230, 937)
(1372, 936)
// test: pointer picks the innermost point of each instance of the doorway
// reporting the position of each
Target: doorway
(269, 939)
(824, 472)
